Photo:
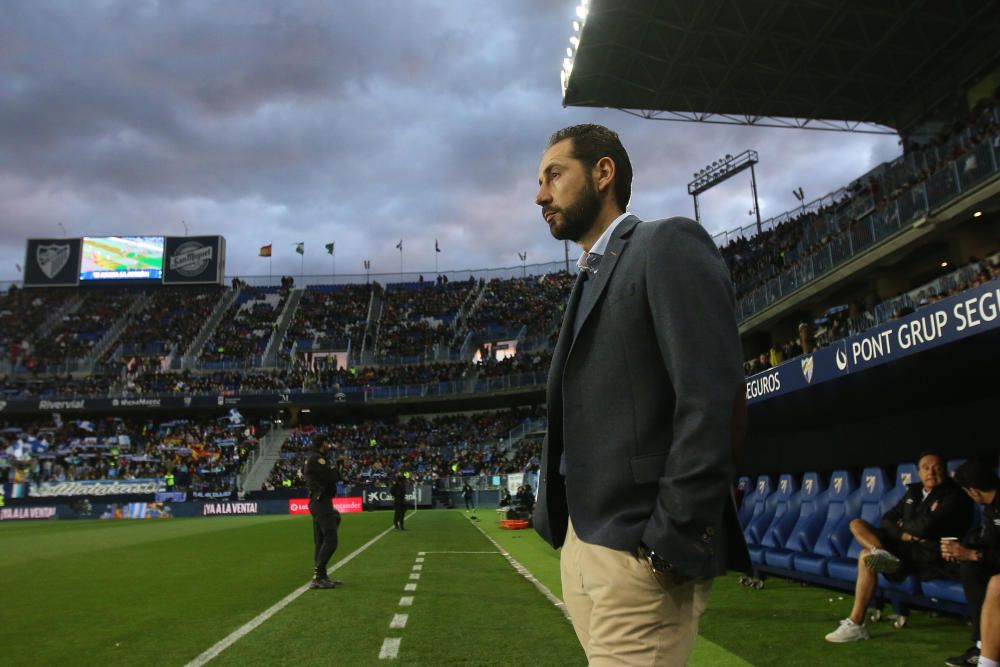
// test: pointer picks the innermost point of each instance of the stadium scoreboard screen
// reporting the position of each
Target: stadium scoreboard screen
(171, 260)
(122, 258)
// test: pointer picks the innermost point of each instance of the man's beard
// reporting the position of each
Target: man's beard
(580, 216)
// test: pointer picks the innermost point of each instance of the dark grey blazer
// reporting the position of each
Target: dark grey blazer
(642, 404)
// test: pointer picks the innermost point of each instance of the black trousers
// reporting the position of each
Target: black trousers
(400, 514)
(326, 521)
(975, 579)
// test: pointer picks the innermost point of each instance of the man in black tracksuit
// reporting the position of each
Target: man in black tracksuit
(979, 556)
(399, 501)
(321, 478)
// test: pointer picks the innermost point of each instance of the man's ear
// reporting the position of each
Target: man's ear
(603, 173)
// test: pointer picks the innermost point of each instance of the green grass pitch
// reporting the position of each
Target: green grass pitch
(164, 592)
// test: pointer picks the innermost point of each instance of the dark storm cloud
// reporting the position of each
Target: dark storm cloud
(356, 122)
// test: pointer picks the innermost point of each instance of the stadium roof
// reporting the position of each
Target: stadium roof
(869, 66)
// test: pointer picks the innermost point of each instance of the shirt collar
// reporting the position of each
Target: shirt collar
(602, 243)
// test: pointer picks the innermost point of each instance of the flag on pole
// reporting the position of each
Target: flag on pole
(265, 250)
(437, 248)
(399, 246)
(300, 247)
(329, 248)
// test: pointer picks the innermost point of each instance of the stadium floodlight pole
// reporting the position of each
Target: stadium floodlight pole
(523, 256)
(722, 170)
(185, 227)
(65, 233)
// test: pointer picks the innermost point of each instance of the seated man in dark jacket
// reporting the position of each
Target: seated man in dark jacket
(978, 557)
(907, 540)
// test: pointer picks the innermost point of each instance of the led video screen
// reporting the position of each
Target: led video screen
(122, 258)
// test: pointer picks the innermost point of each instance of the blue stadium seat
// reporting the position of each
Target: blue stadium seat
(835, 535)
(944, 589)
(751, 499)
(762, 510)
(873, 486)
(802, 535)
(786, 500)
(906, 474)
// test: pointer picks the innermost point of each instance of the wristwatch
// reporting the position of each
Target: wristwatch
(658, 564)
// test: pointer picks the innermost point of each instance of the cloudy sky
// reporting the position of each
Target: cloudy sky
(356, 121)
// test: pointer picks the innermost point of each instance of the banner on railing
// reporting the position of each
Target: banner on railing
(96, 488)
(972, 312)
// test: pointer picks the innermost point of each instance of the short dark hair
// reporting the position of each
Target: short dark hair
(976, 475)
(319, 440)
(934, 454)
(592, 142)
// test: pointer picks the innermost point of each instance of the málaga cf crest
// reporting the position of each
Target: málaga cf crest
(807, 368)
(52, 258)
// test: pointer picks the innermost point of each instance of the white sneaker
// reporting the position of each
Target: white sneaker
(849, 631)
(880, 560)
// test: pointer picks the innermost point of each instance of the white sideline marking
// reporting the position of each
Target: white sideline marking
(420, 559)
(421, 553)
(492, 553)
(406, 601)
(398, 621)
(255, 622)
(524, 572)
(390, 648)
(414, 575)
(410, 587)
(417, 568)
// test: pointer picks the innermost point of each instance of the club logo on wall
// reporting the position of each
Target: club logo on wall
(808, 365)
(52, 258)
(191, 259)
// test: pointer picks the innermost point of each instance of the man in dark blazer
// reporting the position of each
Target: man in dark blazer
(645, 402)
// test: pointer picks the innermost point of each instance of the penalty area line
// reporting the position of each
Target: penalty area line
(255, 622)
(524, 572)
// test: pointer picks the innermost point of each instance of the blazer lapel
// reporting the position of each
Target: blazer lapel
(608, 263)
(566, 332)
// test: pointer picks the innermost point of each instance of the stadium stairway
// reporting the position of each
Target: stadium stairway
(103, 346)
(284, 321)
(190, 358)
(261, 462)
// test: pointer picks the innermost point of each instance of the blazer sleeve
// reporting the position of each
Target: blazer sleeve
(691, 303)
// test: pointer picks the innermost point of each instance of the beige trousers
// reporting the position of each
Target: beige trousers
(621, 613)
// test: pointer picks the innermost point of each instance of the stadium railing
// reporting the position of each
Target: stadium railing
(953, 180)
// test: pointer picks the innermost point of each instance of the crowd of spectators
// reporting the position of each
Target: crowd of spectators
(203, 457)
(416, 318)
(847, 320)
(244, 331)
(427, 449)
(77, 332)
(755, 260)
(170, 320)
(22, 312)
(329, 318)
(536, 303)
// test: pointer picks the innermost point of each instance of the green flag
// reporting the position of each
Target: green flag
(300, 247)
(329, 248)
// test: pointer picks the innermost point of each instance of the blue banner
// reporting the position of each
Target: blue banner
(972, 312)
